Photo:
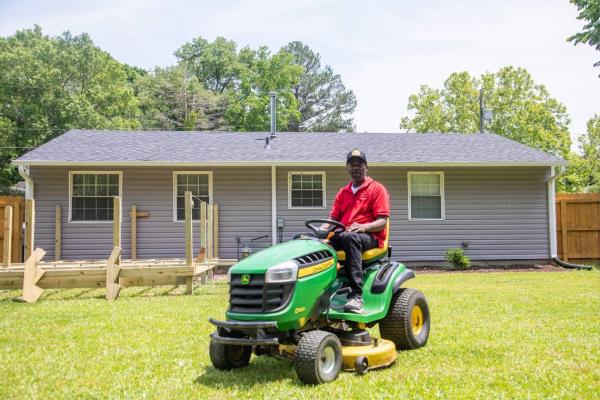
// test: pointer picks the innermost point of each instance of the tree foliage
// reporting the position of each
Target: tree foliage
(244, 78)
(589, 11)
(522, 110)
(324, 103)
(51, 84)
(171, 99)
(590, 144)
(216, 64)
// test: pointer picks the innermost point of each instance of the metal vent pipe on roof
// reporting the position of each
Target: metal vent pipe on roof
(273, 114)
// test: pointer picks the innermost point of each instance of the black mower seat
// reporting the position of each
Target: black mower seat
(372, 255)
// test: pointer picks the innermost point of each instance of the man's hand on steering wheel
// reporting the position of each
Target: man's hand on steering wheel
(327, 226)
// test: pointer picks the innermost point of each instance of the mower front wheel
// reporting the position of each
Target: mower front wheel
(318, 357)
(407, 322)
(228, 356)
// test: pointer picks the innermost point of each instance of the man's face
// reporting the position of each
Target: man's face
(357, 169)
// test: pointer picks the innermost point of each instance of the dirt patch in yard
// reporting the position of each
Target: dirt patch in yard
(474, 269)
(508, 268)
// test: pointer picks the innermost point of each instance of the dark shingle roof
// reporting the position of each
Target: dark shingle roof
(154, 147)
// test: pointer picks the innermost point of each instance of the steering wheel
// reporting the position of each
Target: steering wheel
(334, 226)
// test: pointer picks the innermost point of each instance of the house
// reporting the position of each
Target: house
(490, 195)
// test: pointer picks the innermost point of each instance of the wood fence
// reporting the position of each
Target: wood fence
(578, 227)
(11, 207)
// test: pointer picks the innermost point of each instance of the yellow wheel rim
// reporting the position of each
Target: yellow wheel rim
(416, 320)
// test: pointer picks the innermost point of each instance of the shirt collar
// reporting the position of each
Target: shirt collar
(366, 183)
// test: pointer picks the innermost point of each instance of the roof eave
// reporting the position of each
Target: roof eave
(42, 163)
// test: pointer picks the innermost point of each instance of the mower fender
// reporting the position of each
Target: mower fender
(403, 277)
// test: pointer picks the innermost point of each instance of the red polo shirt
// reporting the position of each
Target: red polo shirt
(370, 201)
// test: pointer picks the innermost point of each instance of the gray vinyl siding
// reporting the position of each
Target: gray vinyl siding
(501, 212)
(243, 195)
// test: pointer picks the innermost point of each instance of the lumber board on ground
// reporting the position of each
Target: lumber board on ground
(31, 275)
(113, 270)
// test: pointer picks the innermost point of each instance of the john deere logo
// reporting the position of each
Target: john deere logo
(245, 279)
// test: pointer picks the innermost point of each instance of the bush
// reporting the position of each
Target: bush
(457, 258)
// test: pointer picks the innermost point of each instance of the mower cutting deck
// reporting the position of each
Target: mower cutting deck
(287, 301)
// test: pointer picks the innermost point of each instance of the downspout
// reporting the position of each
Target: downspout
(274, 204)
(24, 172)
(552, 221)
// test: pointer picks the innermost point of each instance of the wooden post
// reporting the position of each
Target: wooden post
(189, 245)
(133, 232)
(17, 252)
(8, 221)
(57, 233)
(117, 223)
(216, 231)
(209, 232)
(563, 226)
(29, 226)
(215, 238)
(31, 276)
(113, 270)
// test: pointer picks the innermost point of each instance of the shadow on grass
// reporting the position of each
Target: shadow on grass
(261, 370)
(132, 292)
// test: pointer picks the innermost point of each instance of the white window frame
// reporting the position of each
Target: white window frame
(442, 195)
(324, 189)
(210, 190)
(71, 173)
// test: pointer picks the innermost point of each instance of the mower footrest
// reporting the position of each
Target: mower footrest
(243, 341)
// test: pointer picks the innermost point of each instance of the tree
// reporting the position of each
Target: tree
(244, 78)
(589, 11)
(262, 73)
(323, 101)
(590, 144)
(215, 64)
(583, 172)
(170, 99)
(51, 84)
(522, 110)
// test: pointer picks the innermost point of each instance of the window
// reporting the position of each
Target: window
(199, 183)
(306, 189)
(426, 195)
(92, 195)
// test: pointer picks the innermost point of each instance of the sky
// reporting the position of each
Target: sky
(383, 50)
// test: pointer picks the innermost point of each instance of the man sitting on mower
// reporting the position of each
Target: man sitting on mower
(363, 206)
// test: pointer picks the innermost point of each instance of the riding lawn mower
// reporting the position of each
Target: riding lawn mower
(288, 301)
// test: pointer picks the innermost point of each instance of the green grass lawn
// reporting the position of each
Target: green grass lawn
(500, 335)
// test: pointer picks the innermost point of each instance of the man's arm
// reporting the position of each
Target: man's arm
(374, 226)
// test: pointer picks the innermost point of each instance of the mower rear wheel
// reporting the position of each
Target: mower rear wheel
(407, 322)
(318, 357)
(228, 356)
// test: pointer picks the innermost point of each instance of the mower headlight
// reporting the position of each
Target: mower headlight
(284, 272)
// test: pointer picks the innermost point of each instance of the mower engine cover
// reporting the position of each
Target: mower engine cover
(266, 285)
